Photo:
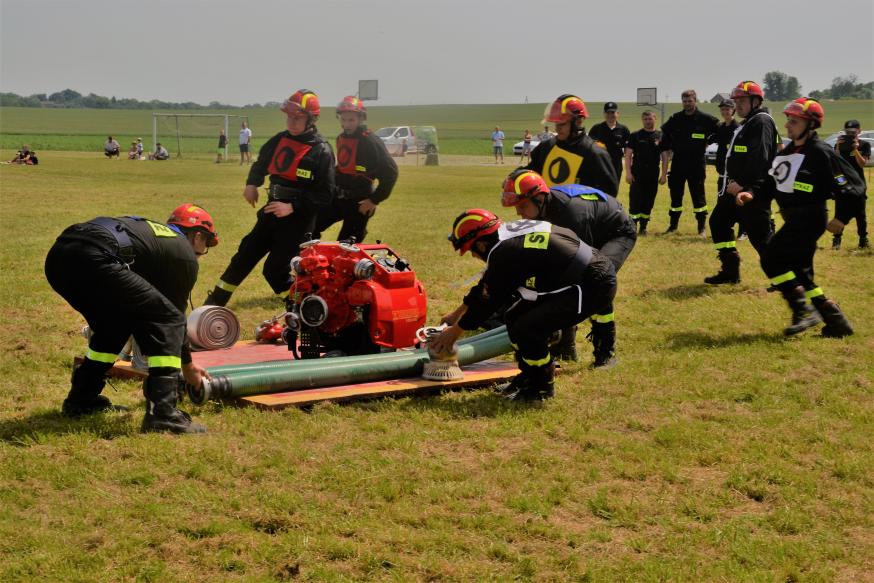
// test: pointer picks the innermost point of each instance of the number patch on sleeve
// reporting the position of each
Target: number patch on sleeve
(536, 240)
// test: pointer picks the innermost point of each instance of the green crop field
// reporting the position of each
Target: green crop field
(716, 450)
(462, 129)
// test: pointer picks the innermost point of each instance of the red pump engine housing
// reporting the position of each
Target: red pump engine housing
(338, 287)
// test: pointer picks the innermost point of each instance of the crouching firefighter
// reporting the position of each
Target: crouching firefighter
(599, 221)
(133, 276)
(559, 280)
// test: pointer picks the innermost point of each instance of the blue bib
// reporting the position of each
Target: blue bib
(582, 191)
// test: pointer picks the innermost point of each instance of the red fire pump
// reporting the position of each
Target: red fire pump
(354, 299)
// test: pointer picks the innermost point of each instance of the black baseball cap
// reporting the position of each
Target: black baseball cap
(610, 106)
(852, 124)
(727, 103)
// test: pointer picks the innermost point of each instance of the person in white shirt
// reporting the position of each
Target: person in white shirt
(245, 138)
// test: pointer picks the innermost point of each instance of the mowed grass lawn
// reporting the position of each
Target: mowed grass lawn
(716, 451)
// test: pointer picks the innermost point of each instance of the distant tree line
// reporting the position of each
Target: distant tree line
(73, 99)
(778, 86)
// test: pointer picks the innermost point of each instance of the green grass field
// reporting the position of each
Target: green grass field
(462, 129)
(716, 451)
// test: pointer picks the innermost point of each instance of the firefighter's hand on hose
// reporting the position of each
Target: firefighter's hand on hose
(194, 374)
(743, 197)
(280, 209)
(366, 207)
(250, 193)
(444, 342)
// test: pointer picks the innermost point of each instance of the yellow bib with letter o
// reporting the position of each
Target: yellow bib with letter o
(561, 167)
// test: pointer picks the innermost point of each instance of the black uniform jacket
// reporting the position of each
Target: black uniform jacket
(687, 136)
(303, 163)
(750, 154)
(645, 147)
(722, 137)
(810, 174)
(613, 139)
(578, 160)
(362, 163)
(539, 261)
(594, 221)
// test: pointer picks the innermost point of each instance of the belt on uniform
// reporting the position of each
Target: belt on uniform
(283, 193)
(117, 229)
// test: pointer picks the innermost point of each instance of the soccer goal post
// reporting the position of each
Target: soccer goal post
(192, 132)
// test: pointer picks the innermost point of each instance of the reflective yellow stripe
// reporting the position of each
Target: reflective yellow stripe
(788, 276)
(590, 196)
(604, 318)
(537, 362)
(726, 245)
(639, 216)
(165, 362)
(802, 186)
(742, 149)
(226, 286)
(701, 209)
(698, 136)
(814, 293)
(514, 345)
(360, 169)
(676, 209)
(530, 282)
(101, 356)
(282, 295)
(303, 173)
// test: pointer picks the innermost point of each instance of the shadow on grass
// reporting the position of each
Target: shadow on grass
(689, 291)
(37, 428)
(683, 340)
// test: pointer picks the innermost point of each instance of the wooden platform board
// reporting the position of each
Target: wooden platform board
(478, 374)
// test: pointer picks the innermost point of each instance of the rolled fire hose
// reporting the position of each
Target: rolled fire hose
(338, 371)
(212, 328)
(321, 363)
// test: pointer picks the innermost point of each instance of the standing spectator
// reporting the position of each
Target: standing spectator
(300, 164)
(498, 144)
(139, 149)
(526, 147)
(222, 147)
(245, 139)
(613, 135)
(747, 160)
(857, 153)
(111, 148)
(684, 139)
(572, 157)
(545, 134)
(365, 175)
(642, 157)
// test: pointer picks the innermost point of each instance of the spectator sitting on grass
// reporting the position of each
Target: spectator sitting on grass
(25, 156)
(112, 148)
(161, 153)
(133, 152)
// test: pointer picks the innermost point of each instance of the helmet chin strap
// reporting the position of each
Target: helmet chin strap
(540, 204)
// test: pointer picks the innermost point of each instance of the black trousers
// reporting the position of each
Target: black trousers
(341, 209)
(530, 324)
(754, 217)
(277, 238)
(642, 194)
(849, 208)
(678, 177)
(115, 301)
(788, 257)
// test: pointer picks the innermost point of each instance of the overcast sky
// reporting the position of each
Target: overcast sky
(471, 51)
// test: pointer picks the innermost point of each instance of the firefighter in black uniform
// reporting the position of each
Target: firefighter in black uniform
(747, 160)
(365, 174)
(642, 158)
(559, 279)
(613, 135)
(572, 157)
(132, 276)
(684, 140)
(804, 175)
(301, 168)
(599, 221)
(857, 153)
(722, 138)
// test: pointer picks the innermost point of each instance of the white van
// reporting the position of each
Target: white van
(400, 140)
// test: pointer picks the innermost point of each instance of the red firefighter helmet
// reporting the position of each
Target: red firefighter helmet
(747, 89)
(302, 100)
(806, 108)
(191, 216)
(521, 185)
(352, 104)
(565, 108)
(470, 226)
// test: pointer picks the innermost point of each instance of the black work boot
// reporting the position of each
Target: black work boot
(161, 411)
(641, 227)
(217, 297)
(603, 337)
(836, 324)
(730, 270)
(540, 387)
(675, 221)
(518, 382)
(84, 397)
(836, 242)
(863, 242)
(702, 224)
(804, 315)
(566, 349)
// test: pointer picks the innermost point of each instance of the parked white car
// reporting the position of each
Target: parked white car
(517, 147)
(400, 140)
